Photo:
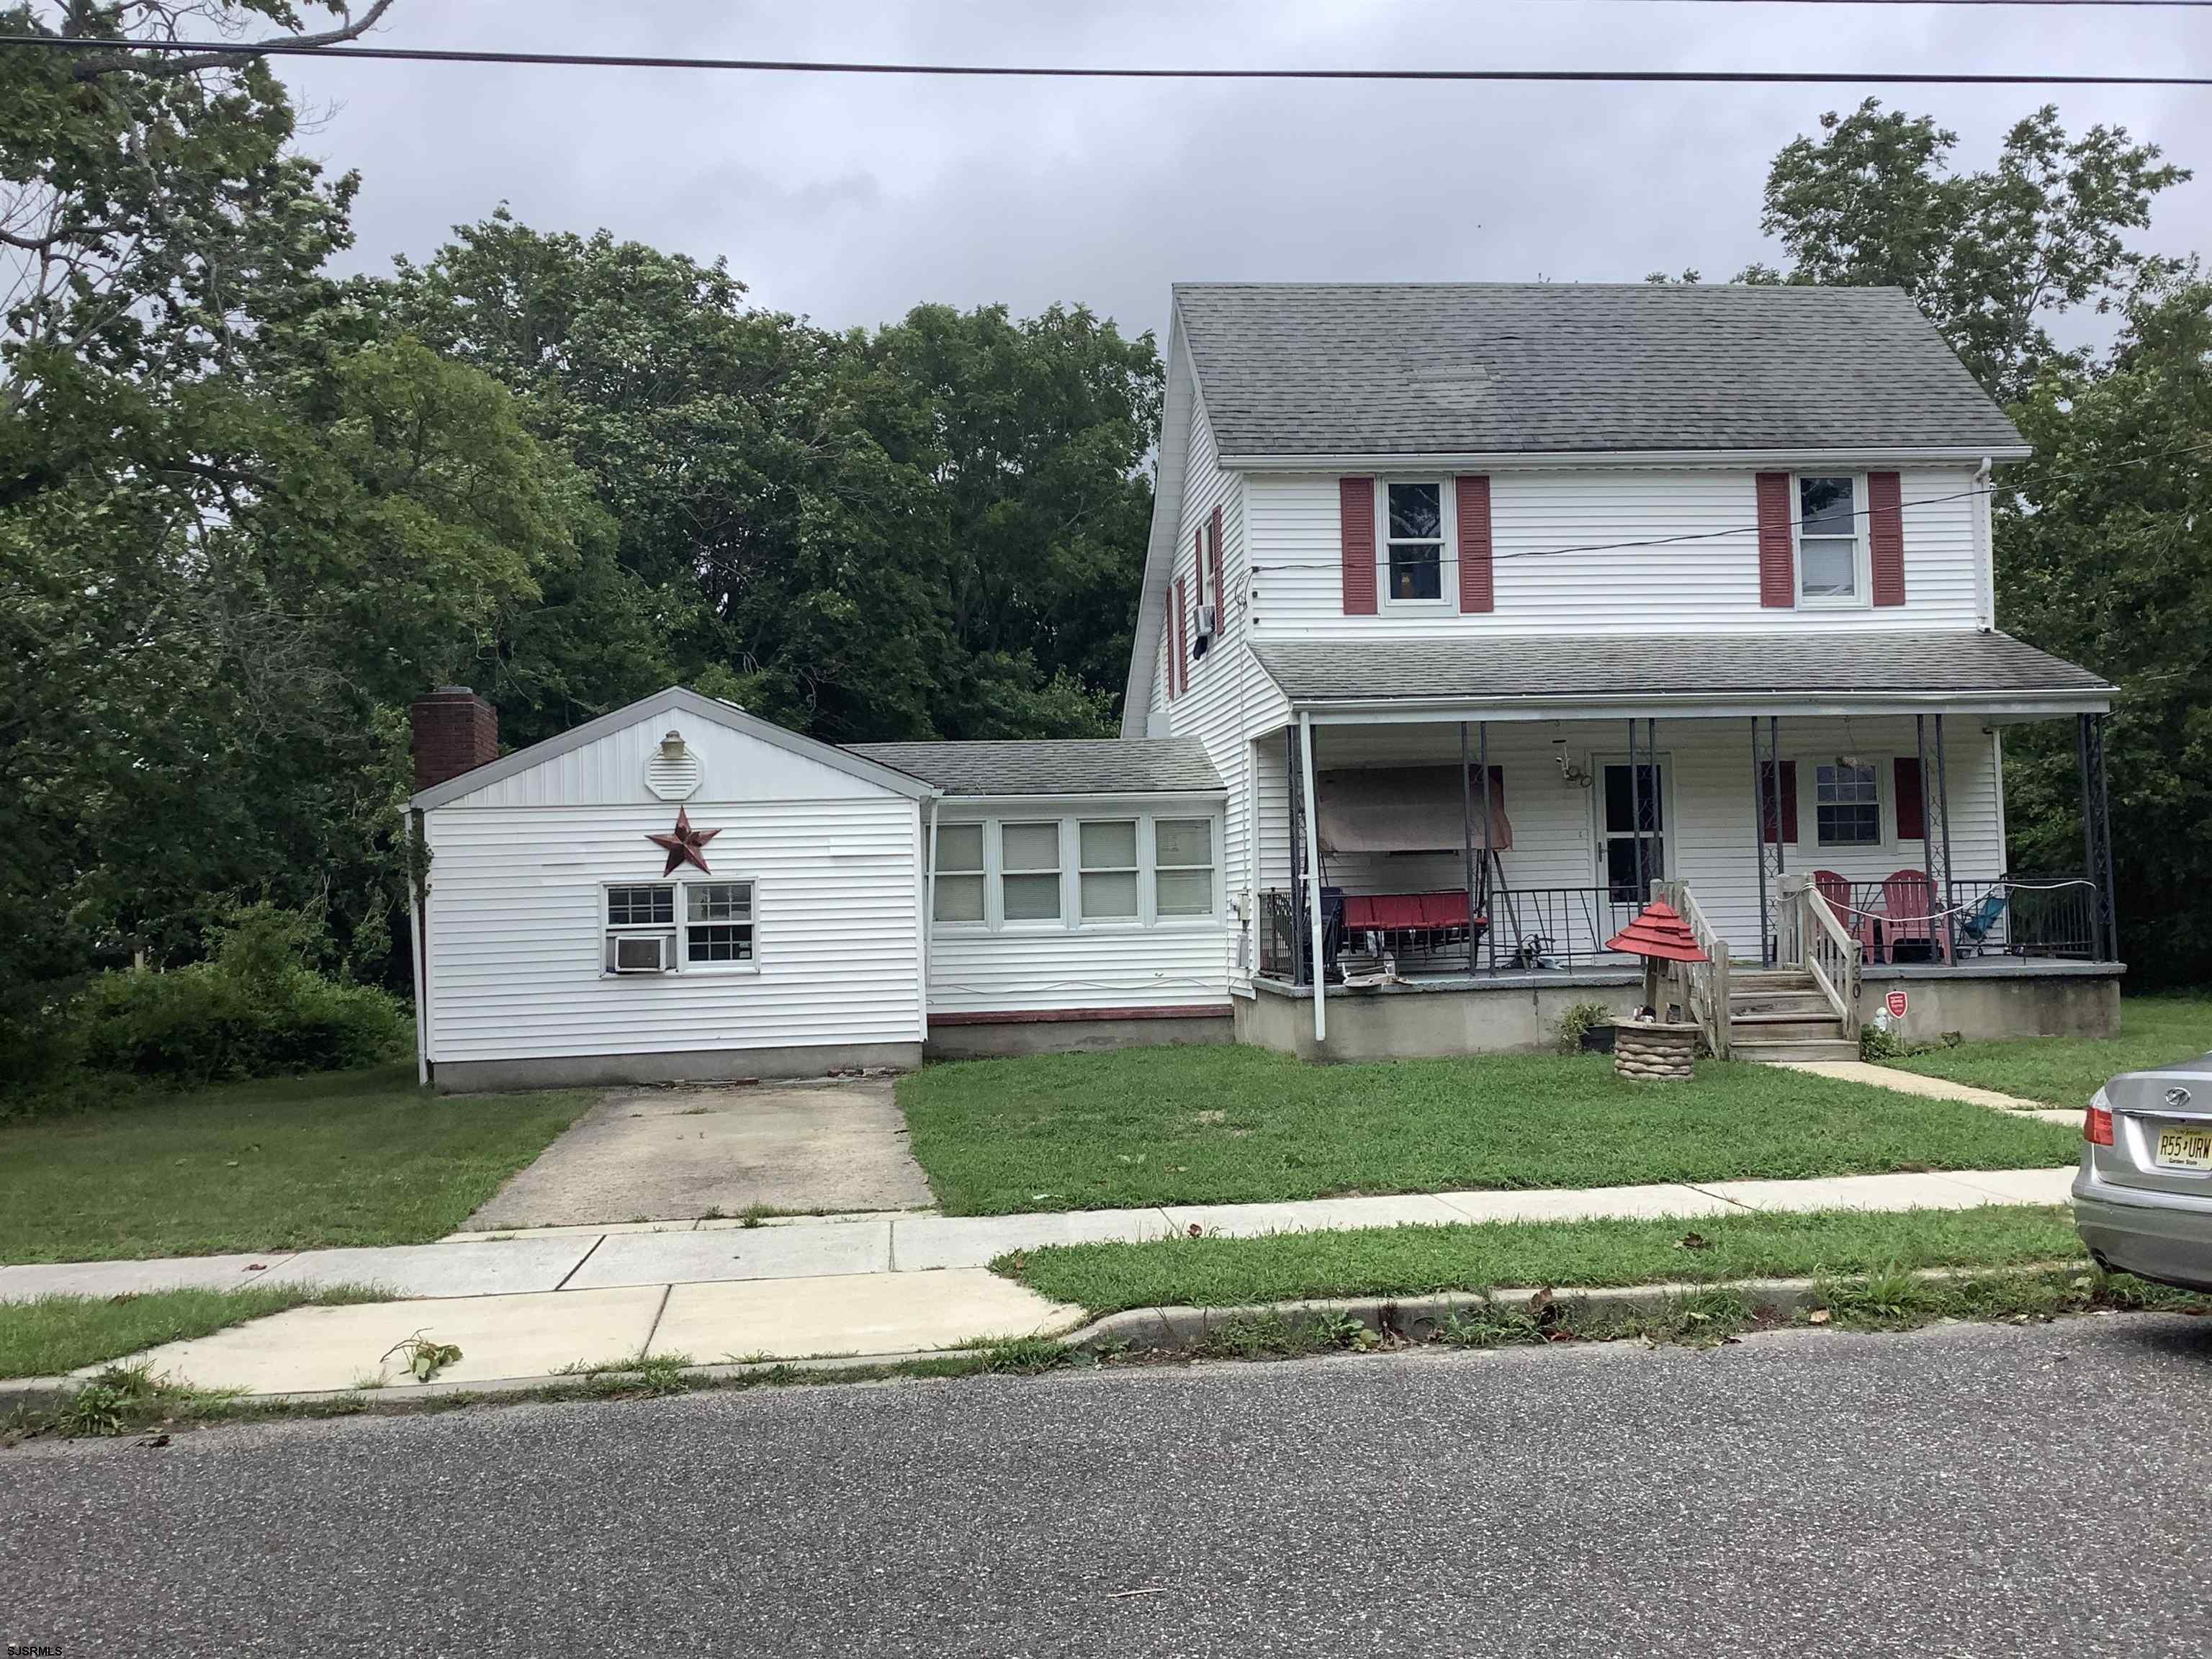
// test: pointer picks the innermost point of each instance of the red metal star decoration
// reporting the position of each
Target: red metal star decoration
(685, 845)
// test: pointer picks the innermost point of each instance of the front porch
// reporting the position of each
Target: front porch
(1452, 884)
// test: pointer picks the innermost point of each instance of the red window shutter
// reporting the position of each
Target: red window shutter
(1766, 802)
(1886, 535)
(1179, 670)
(1911, 803)
(1213, 555)
(1355, 500)
(1475, 589)
(1777, 581)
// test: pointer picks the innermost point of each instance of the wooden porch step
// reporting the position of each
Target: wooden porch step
(1770, 979)
(1791, 1008)
(1772, 1052)
(1786, 1030)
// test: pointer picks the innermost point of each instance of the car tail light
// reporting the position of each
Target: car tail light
(2097, 1122)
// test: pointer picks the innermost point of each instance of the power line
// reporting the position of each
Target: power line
(1077, 72)
(1753, 529)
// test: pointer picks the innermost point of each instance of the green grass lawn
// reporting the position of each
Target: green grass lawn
(355, 1158)
(57, 1334)
(1220, 1272)
(2154, 1030)
(1238, 1124)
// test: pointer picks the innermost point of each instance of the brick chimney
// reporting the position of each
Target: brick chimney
(455, 732)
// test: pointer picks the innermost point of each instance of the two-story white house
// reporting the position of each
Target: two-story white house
(1471, 613)
(1492, 605)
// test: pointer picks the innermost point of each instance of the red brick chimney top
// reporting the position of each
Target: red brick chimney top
(455, 732)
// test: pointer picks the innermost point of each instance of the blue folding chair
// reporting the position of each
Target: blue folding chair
(1975, 927)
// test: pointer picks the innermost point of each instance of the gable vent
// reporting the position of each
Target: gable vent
(673, 771)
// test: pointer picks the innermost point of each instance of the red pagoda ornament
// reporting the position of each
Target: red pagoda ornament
(685, 844)
(1657, 935)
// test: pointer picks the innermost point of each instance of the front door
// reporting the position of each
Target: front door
(1618, 824)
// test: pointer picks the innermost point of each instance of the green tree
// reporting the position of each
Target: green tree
(1991, 255)
(2104, 557)
(244, 520)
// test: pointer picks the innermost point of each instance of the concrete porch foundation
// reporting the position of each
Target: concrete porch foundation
(1993, 999)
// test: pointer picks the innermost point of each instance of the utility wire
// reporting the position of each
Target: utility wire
(1071, 72)
(1752, 528)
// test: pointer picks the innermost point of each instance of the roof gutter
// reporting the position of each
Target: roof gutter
(1512, 459)
(2056, 700)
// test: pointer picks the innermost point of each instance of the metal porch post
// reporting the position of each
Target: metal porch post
(1313, 877)
(1467, 842)
(1489, 852)
(2097, 838)
(1927, 823)
(1943, 794)
(1758, 841)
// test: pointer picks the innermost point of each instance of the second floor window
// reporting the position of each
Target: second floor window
(1413, 535)
(1828, 541)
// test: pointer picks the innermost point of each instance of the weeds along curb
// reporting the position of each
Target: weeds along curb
(1604, 1313)
(1418, 1318)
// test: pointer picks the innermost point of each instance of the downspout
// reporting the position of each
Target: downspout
(928, 916)
(418, 955)
(1313, 873)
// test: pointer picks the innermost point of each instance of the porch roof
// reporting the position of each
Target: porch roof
(1553, 675)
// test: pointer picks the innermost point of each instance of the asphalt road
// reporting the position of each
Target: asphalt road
(1962, 1490)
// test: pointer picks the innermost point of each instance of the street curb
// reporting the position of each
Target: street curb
(1169, 1330)
(1149, 1330)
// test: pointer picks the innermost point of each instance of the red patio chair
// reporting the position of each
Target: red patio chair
(1837, 891)
(1907, 899)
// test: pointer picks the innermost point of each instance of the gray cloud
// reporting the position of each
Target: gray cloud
(850, 199)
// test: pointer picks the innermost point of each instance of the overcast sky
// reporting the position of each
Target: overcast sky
(850, 199)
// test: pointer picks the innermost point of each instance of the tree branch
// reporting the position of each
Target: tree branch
(145, 62)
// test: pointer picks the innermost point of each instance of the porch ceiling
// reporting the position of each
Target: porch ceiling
(1525, 676)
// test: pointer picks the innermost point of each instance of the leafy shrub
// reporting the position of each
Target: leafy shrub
(1879, 1042)
(256, 1010)
(1578, 1018)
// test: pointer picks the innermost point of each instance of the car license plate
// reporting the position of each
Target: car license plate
(2184, 1148)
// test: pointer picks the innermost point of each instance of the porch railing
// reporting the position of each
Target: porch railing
(1814, 938)
(1704, 985)
(2045, 917)
(1530, 928)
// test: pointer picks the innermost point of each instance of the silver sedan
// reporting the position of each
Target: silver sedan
(2142, 1200)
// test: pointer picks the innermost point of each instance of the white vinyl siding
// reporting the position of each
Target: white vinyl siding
(1229, 695)
(517, 921)
(1706, 584)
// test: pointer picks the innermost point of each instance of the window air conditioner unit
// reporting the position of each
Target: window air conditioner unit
(1209, 621)
(641, 953)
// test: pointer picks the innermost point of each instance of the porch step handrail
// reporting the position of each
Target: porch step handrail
(1704, 984)
(1825, 950)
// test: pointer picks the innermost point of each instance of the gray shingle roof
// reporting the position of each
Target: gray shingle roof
(1331, 368)
(1072, 766)
(1569, 665)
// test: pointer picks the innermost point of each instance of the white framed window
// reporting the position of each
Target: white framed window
(1847, 805)
(1415, 535)
(959, 879)
(1183, 864)
(639, 930)
(1106, 861)
(718, 924)
(1832, 568)
(1028, 872)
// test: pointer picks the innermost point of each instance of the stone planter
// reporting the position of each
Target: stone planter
(1655, 1051)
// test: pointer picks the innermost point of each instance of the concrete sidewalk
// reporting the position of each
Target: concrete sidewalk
(536, 1305)
(571, 1260)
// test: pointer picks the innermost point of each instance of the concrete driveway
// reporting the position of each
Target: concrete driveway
(835, 1145)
